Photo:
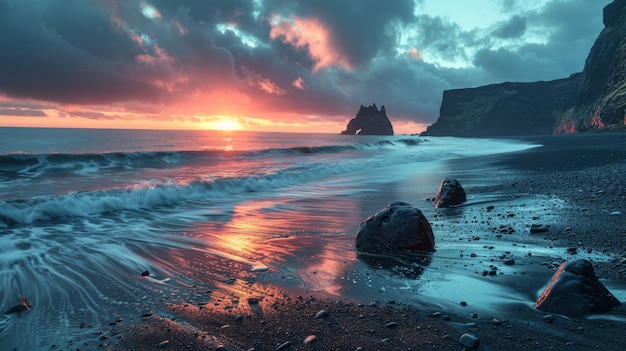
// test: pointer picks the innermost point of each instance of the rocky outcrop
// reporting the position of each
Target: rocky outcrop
(593, 99)
(450, 193)
(369, 121)
(576, 290)
(399, 226)
(602, 99)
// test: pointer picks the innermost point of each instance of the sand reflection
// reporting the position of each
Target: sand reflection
(286, 241)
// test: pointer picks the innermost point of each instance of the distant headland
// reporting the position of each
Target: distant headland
(594, 99)
(369, 121)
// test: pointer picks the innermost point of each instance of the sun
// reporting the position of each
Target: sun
(224, 124)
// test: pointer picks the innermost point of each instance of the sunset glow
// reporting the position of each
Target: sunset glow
(161, 65)
(225, 124)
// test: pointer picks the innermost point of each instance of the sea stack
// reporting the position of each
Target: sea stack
(369, 121)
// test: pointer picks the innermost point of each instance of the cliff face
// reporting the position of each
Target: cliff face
(593, 99)
(369, 121)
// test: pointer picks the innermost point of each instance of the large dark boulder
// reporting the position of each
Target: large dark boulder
(450, 193)
(592, 99)
(369, 121)
(399, 226)
(575, 290)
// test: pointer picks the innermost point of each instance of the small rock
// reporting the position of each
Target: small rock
(469, 341)
(463, 303)
(22, 306)
(163, 344)
(538, 228)
(322, 314)
(309, 339)
(509, 261)
(145, 274)
(239, 318)
(283, 346)
(146, 314)
(391, 325)
(253, 301)
(616, 213)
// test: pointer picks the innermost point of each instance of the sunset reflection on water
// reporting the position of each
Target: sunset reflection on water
(300, 243)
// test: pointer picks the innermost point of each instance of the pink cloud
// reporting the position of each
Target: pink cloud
(309, 33)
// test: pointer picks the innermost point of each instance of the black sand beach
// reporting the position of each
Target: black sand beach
(584, 171)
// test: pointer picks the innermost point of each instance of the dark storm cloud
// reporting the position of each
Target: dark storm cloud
(148, 55)
(513, 28)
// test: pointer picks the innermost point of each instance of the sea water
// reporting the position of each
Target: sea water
(83, 213)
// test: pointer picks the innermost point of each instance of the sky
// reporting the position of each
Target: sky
(274, 65)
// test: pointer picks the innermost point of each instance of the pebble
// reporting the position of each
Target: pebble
(283, 346)
(163, 344)
(469, 341)
(238, 318)
(391, 325)
(538, 228)
(309, 339)
(322, 314)
(253, 300)
(616, 213)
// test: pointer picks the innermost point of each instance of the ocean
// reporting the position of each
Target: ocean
(99, 226)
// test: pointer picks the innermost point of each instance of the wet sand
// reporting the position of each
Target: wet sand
(585, 172)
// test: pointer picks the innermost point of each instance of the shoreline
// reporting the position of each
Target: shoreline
(583, 170)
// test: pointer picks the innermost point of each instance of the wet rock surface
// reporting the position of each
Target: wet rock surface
(450, 193)
(399, 226)
(369, 121)
(576, 290)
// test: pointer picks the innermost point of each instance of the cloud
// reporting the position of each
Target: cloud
(166, 59)
(21, 112)
(513, 28)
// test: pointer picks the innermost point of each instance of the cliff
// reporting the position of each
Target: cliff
(369, 121)
(593, 99)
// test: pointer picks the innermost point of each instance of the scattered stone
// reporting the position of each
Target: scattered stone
(22, 306)
(283, 346)
(253, 301)
(391, 325)
(509, 261)
(572, 250)
(574, 290)
(538, 228)
(616, 213)
(322, 314)
(147, 313)
(450, 193)
(163, 344)
(469, 341)
(463, 303)
(145, 274)
(309, 339)
(239, 318)
(399, 226)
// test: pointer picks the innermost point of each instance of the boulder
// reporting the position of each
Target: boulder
(369, 121)
(575, 290)
(450, 193)
(398, 226)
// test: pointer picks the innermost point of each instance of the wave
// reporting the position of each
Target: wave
(33, 165)
(151, 195)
